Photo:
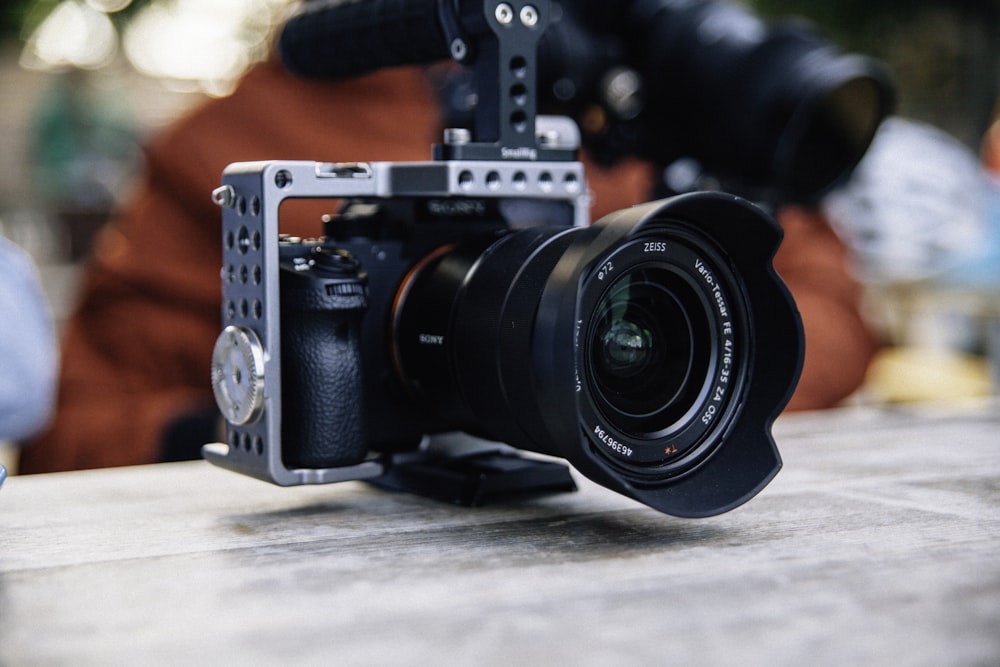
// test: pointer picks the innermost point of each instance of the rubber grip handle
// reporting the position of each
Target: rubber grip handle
(335, 40)
(322, 411)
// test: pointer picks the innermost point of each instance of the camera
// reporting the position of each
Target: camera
(652, 349)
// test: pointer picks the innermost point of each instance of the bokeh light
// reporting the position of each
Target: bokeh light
(74, 34)
(196, 45)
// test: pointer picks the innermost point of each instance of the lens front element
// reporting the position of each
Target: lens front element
(661, 351)
(648, 340)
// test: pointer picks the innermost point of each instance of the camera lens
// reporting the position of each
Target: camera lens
(626, 347)
(760, 105)
(648, 350)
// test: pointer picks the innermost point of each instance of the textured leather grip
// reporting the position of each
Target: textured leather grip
(321, 377)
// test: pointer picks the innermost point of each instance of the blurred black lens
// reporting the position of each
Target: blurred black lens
(649, 350)
(772, 108)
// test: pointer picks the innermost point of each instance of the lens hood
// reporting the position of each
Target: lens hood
(718, 452)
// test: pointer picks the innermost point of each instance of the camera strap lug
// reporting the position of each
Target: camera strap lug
(224, 196)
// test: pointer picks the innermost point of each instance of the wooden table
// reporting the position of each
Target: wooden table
(878, 544)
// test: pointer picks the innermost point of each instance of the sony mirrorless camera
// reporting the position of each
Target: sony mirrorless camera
(469, 294)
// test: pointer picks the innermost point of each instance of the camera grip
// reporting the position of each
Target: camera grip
(322, 404)
(341, 40)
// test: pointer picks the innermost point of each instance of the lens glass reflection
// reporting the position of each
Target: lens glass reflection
(644, 353)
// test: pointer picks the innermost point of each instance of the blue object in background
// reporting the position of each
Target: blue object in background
(28, 349)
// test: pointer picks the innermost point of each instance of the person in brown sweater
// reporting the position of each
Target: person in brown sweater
(136, 353)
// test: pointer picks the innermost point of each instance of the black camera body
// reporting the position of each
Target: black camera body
(652, 349)
(349, 326)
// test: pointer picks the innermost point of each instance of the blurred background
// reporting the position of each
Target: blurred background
(922, 213)
(82, 85)
(84, 82)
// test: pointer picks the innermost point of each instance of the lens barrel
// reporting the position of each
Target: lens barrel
(652, 350)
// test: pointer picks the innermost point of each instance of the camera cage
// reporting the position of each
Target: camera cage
(512, 153)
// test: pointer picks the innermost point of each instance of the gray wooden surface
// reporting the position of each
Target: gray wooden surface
(878, 544)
